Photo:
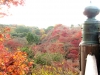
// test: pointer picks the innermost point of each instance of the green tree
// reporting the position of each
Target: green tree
(21, 31)
(36, 30)
(32, 38)
(72, 25)
(49, 28)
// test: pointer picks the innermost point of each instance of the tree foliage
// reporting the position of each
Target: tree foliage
(49, 28)
(32, 38)
(14, 2)
(60, 39)
(12, 63)
(36, 30)
(63, 40)
(7, 4)
(20, 31)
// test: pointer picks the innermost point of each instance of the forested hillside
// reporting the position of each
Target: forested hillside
(53, 50)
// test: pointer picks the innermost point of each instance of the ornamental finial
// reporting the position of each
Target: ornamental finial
(91, 11)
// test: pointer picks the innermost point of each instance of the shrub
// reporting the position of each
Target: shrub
(57, 56)
(51, 70)
(29, 52)
(47, 58)
(43, 59)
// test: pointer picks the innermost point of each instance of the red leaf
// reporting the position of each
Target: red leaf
(1, 36)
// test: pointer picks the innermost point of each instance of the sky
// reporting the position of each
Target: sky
(44, 13)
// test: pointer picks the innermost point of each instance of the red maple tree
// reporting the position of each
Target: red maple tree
(7, 4)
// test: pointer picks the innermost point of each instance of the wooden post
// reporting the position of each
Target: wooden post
(90, 41)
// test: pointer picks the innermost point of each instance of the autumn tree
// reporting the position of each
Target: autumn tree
(42, 31)
(12, 63)
(7, 4)
(14, 2)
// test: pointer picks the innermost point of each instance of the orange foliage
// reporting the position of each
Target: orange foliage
(6, 29)
(13, 63)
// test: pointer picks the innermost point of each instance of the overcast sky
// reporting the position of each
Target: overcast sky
(44, 13)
